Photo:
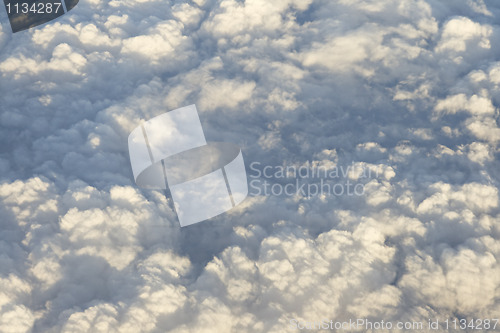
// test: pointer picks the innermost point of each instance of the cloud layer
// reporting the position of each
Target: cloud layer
(408, 89)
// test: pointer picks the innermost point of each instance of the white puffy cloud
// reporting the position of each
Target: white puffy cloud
(458, 32)
(475, 105)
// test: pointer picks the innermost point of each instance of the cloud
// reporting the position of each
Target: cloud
(406, 91)
(460, 31)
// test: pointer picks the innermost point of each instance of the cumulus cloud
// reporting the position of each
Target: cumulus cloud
(404, 91)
